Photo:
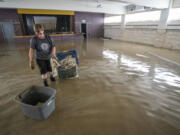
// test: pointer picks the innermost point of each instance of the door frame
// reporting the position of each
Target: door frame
(2, 32)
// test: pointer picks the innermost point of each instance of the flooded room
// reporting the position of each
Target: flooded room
(89, 67)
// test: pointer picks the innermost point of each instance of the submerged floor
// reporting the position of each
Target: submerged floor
(122, 90)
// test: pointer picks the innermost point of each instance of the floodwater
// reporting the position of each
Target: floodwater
(121, 90)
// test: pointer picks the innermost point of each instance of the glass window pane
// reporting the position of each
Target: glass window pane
(174, 14)
(112, 19)
(144, 16)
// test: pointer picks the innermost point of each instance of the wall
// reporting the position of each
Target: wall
(168, 38)
(94, 21)
(10, 16)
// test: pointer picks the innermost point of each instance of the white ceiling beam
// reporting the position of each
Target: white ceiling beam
(149, 3)
(70, 5)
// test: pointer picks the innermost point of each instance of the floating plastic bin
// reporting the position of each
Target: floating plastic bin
(37, 102)
(67, 73)
(70, 72)
(63, 55)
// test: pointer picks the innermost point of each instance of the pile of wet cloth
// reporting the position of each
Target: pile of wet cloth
(54, 65)
(65, 68)
(68, 62)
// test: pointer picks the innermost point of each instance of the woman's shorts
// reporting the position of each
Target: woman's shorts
(44, 66)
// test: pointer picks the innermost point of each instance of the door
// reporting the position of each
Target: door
(8, 31)
(84, 30)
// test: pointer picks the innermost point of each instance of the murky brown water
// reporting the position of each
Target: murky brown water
(121, 91)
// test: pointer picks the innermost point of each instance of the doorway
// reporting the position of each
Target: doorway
(1, 34)
(84, 30)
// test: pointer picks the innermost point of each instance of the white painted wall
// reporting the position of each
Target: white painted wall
(168, 38)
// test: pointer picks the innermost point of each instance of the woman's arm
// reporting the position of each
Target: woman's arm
(31, 62)
(31, 54)
(54, 51)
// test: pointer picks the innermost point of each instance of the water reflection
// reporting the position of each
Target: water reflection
(163, 75)
(110, 55)
(140, 55)
(117, 89)
(134, 64)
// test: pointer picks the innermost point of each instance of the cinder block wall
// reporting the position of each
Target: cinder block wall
(149, 36)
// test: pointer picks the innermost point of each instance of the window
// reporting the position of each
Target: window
(174, 14)
(51, 23)
(48, 22)
(44, 19)
(144, 16)
(112, 19)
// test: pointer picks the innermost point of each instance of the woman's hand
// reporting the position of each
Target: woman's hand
(32, 65)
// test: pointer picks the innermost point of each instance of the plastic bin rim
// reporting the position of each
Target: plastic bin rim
(16, 98)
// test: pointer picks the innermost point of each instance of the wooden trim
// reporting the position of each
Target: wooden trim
(53, 35)
(48, 12)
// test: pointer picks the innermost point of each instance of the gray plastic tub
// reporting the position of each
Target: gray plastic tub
(37, 102)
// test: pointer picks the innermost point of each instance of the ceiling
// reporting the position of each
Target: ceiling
(101, 6)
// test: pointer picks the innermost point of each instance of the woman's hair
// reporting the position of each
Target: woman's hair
(38, 27)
